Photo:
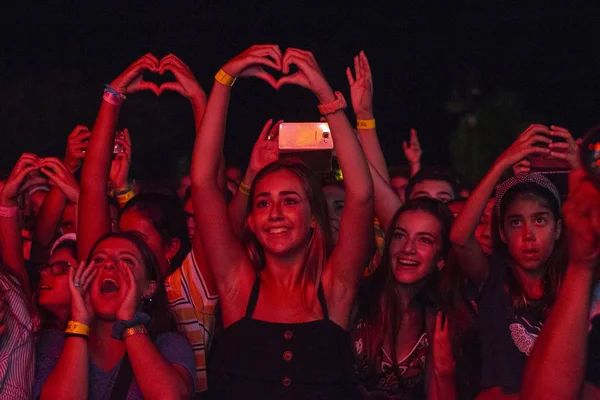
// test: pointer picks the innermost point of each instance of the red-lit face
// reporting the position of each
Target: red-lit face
(136, 221)
(483, 232)
(110, 288)
(281, 218)
(529, 231)
(440, 190)
(335, 197)
(415, 247)
(54, 289)
(399, 184)
(189, 216)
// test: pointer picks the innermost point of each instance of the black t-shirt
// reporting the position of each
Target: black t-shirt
(507, 334)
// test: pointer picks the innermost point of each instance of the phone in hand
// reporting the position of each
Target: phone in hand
(310, 142)
(545, 162)
(118, 148)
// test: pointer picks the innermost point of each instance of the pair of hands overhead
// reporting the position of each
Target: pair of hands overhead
(58, 174)
(131, 80)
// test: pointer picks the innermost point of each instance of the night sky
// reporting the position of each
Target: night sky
(418, 52)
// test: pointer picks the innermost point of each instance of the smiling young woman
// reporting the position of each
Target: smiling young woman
(286, 295)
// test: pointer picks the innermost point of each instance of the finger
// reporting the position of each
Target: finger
(270, 51)
(267, 78)
(366, 66)
(80, 137)
(537, 139)
(20, 177)
(173, 87)
(405, 146)
(349, 76)
(264, 133)
(535, 150)
(532, 130)
(296, 79)
(559, 145)
(275, 130)
(414, 139)
(357, 69)
(266, 61)
(561, 156)
(87, 282)
(175, 67)
(78, 129)
(563, 134)
(558, 128)
(143, 85)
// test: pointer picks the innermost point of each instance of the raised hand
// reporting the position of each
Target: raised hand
(25, 165)
(412, 149)
(308, 76)
(361, 87)
(524, 146)
(129, 304)
(76, 145)
(266, 148)
(523, 166)
(444, 363)
(61, 177)
(251, 62)
(119, 169)
(131, 79)
(79, 285)
(186, 84)
(581, 212)
(568, 150)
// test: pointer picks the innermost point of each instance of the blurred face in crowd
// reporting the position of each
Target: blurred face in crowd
(184, 184)
(440, 190)
(483, 232)
(54, 294)
(189, 217)
(35, 200)
(415, 247)
(281, 217)
(133, 220)
(335, 197)
(109, 289)
(529, 231)
(69, 219)
(399, 184)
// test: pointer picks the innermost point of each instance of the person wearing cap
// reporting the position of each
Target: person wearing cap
(516, 286)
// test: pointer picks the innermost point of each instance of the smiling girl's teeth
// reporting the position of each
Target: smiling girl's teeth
(408, 263)
(278, 230)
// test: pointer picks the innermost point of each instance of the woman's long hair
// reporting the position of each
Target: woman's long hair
(161, 318)
(320, 245)
(378, 301)
(554, 266)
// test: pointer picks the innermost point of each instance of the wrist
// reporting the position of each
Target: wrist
(325, 95)
(365, 115)
(131, 321)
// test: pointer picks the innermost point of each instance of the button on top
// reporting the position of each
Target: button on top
(287, 335)
(286, 381)
(287, 356)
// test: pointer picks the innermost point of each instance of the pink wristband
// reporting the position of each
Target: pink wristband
(112, 98)
(8, 212)
(338, 104)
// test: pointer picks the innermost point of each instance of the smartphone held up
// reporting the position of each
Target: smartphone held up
(311, 142)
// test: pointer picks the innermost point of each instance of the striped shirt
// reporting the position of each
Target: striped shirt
(17, 346)
(195, 310)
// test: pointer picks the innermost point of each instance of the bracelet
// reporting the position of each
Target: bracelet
(8, 212)
(134, 330)
(86, 337)
(123, 189)
(77, 328)
(224, 78)
(365, 124)
(338, 104)
(109, 89)
(125, 197)
(120, 326)
(112, 98)
(245, 189)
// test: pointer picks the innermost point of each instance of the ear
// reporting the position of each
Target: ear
(441, 264)
(502, 236)
(251, 223)
(313, 223)
(172, 248)
(150, 290)
(558, 229)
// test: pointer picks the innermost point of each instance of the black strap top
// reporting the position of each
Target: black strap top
(268, 360)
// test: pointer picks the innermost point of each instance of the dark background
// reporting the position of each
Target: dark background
(434, 65)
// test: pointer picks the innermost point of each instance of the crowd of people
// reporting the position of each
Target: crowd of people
(393, 282)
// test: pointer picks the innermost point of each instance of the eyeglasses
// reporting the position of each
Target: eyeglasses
(57, 268)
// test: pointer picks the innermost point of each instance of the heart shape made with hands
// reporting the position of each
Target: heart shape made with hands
(288, 73)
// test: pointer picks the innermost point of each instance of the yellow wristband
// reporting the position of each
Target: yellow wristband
(365, 124)
(125, 197)
(245, 189)
(135, 330)
(224, 78)
(77, 328)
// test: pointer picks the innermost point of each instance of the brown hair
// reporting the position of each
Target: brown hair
(320, 246)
